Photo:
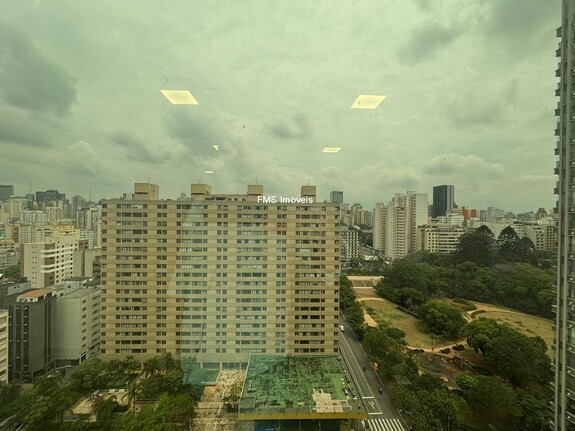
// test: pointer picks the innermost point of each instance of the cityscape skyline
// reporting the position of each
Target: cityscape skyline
(265, 107)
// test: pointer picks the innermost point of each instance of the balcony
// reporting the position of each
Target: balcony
(558, 73)
(557, 132)
(558, 32)
(557, 112)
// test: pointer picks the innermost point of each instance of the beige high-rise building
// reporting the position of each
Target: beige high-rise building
(219, 277)
(395, 225)
(49, 262)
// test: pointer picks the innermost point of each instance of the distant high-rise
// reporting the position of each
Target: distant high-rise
(443, 200)
(5, 192)
(395, 226)
(564, 343)
(336, 197)
(50, 196)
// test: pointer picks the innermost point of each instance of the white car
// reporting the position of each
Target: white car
(341, 328)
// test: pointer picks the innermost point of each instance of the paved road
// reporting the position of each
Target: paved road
(382, 415)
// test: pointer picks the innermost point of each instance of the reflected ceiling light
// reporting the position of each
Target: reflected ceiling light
(179, 97)
(331, 149)
(208, 172)
(217, 147)
(367, 102)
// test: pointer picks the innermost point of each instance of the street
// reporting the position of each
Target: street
(382, 415)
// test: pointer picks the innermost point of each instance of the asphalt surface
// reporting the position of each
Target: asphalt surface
(382, 413)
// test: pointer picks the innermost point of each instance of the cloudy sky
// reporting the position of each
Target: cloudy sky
(469, 89)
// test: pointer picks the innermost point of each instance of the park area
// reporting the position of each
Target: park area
(381, 310)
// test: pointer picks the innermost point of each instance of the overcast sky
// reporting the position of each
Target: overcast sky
(469, 85)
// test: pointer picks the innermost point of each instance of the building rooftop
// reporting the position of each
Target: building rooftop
(36, 293)
(298, 387)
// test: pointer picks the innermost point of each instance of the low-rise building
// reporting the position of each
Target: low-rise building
(438, 238)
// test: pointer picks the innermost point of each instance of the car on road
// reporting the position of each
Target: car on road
(341, 328)
(381, 390)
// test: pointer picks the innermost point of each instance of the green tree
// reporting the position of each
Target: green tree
(475, 247)
(507, 242)
(181, 409)
(472, 281)
(346, 293)
(480, 333)
(104, 408)
(536, 414)
(484, 230)
(525, 287)
(442, 319)
(494, 402)
(89, 375)
(522, 359)
(52, 399)
(13, 273)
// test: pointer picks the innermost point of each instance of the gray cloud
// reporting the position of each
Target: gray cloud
(29, 80)
(296, 127)
(481, 108)
(521, 21)
(458, 165)
(428, 40)
(138, 150)
(198, 130)
(19, 128)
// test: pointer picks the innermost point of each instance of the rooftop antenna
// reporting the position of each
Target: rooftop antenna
(90, 194)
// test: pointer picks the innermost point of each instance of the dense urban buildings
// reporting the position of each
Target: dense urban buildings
(219, 277)
(443, 200)
(564, 384)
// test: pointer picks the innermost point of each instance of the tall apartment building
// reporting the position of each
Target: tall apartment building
(49, 262)
(219, 277)
(3, 346)
(443, 200)
(76, 322)
(349, 243)
(380, 227)
(395, 225)
(564, 383)
(30, 314)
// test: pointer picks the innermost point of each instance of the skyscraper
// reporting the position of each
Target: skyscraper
(564, 384)
(443, 200)
(220, 276)
(5, 192)
(336, 197)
